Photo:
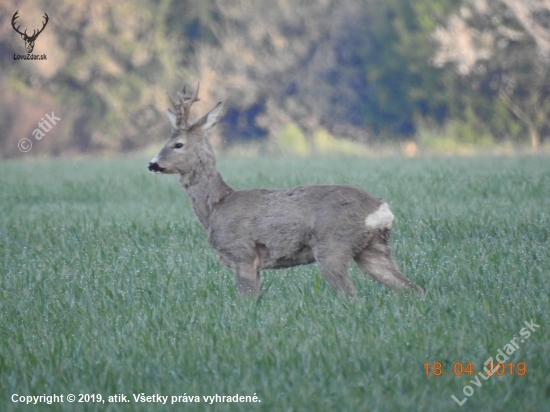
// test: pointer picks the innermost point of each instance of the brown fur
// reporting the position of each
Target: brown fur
(258, 229)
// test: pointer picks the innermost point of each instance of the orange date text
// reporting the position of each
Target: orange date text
(491, 369)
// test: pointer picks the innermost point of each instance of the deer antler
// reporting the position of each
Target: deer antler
(186, 103)
(34, 33)
(183, 107)
(43, 27)
(15, 17)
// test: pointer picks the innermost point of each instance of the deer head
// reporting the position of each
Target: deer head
(29, 40)
(187, 148)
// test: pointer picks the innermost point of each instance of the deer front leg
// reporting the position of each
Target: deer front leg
(249, 280)
(249, 277)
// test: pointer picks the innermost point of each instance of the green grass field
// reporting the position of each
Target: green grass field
(108, 286)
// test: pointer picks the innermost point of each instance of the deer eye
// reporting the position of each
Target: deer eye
(178, 145)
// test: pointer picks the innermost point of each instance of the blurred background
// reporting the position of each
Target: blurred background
(304, 76)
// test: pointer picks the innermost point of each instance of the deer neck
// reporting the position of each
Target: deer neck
(206, 190)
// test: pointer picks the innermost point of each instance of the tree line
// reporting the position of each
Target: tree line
(369, 70)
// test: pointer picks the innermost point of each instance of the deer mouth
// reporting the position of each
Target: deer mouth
(155, 168)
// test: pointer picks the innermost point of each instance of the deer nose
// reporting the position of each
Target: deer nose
(154, 167)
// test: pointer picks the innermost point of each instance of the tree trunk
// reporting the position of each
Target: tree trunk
(524, 117)
(535, 137)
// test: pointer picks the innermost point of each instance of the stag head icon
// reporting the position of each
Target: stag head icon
(29, 40)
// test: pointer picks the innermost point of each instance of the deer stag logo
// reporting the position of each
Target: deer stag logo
(29, 40)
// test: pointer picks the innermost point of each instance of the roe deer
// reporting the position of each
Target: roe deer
(258, 229)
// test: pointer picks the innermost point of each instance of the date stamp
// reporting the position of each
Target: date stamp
(500, 369)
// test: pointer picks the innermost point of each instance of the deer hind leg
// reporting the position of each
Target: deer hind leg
(335, 268)
(377, 261)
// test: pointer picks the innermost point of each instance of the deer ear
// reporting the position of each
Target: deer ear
(172, 117)
(209, 120)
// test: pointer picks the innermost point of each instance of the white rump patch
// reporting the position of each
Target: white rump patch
(381, 219)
